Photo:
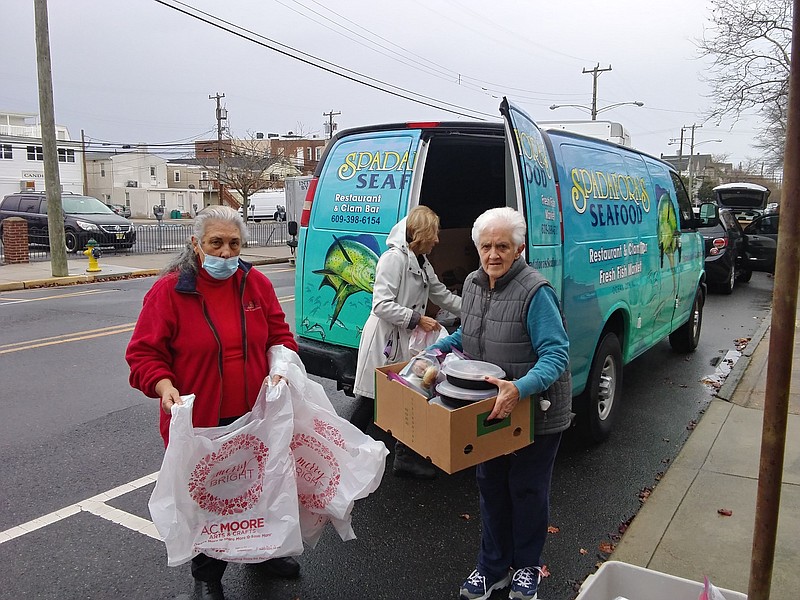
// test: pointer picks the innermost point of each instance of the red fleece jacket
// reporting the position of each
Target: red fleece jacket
(176, 339)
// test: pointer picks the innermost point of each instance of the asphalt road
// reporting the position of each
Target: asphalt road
(71, 428)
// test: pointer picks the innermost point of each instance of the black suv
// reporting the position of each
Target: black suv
(85, 218)
(726, 248)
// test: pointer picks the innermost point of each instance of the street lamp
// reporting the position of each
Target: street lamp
(594, 112)
(690, 163)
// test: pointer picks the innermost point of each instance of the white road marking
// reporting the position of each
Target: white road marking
(95, 505)
(11, 301)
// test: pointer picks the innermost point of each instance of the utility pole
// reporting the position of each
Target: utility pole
(83, 165)
(47, 125)
(331, 124)
(691, 156)
(222, 114)
(595, 74)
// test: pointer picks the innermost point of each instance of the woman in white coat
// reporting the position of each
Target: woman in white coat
(404, 282)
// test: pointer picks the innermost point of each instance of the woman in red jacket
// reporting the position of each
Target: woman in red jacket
(205, 328)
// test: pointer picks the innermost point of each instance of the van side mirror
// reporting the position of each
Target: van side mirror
(709, 214)
(291, 227)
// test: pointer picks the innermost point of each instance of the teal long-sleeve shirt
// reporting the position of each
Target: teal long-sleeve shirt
(548, 338)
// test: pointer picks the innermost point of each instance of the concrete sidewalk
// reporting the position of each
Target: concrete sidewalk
(113, 266)
(679, 531)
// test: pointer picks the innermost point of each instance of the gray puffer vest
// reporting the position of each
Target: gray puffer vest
(494, 328)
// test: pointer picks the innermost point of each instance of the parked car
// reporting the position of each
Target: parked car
(726, 248)
(85, 218)
(762, 242)
(120, 209)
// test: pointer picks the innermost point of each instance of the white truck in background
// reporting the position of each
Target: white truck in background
(266, 205)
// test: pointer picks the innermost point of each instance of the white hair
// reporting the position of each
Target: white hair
(504, 217)
(187, 260)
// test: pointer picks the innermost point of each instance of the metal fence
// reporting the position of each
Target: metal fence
(169, 238)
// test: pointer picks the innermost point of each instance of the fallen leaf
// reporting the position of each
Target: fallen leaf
(583, 551)
(692, 424)
(725, 512)
(606, 547)
(644, 494)
(545, 571)
(552, 529)
(465, 516)
(659, 475)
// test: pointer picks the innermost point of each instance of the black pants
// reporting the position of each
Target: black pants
(364, 413)
(206, 568)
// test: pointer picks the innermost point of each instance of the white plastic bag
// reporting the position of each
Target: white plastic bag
(335, 462)
(229, 492)
(421, 339)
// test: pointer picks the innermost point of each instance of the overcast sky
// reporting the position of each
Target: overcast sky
(132, 71)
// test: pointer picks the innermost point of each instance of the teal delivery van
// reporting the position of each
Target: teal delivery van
(610, 227)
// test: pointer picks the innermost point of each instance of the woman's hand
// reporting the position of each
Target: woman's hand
(428, 324)
(169, 395)
(276, 379)
(507, 398)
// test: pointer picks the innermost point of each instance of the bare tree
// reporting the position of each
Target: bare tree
(245, 167)
(749, 43)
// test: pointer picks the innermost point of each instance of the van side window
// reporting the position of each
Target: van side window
(684, 204)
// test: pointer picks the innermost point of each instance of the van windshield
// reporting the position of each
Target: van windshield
(84, 205)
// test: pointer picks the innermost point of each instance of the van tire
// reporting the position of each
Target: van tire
(745, 275)
(686, 337)
(599, 403)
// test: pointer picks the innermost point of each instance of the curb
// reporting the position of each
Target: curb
(96, 277)
(733, 379)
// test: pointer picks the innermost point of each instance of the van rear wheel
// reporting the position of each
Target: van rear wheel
(599, 403)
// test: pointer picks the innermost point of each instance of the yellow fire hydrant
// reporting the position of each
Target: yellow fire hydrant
(93, 253)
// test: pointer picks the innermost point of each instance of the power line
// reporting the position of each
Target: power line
(321, 64)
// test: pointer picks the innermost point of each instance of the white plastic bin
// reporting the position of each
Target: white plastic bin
(615, 579)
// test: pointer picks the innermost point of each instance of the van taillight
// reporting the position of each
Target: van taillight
(422, 124)
(305, 216)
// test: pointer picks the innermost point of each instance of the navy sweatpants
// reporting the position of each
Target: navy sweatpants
(515, 506)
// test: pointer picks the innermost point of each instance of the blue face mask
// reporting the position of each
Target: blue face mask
(220, 268)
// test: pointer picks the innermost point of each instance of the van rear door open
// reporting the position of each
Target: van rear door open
(536, 193)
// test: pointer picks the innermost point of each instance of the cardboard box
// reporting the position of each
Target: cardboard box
(453, 439)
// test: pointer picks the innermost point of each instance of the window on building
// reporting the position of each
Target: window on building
(163, 198)
(152, 171)
(204, 175)
(176, 176)
(5, 151)
(319, 152)
(310, 150)
(66, 155)
(35, 153)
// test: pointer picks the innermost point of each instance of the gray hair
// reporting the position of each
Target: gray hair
(504, 217)
(187, 260)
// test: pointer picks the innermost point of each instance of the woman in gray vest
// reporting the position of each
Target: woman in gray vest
(510, 317)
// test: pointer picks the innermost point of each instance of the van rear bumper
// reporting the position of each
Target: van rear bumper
(329, 361)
